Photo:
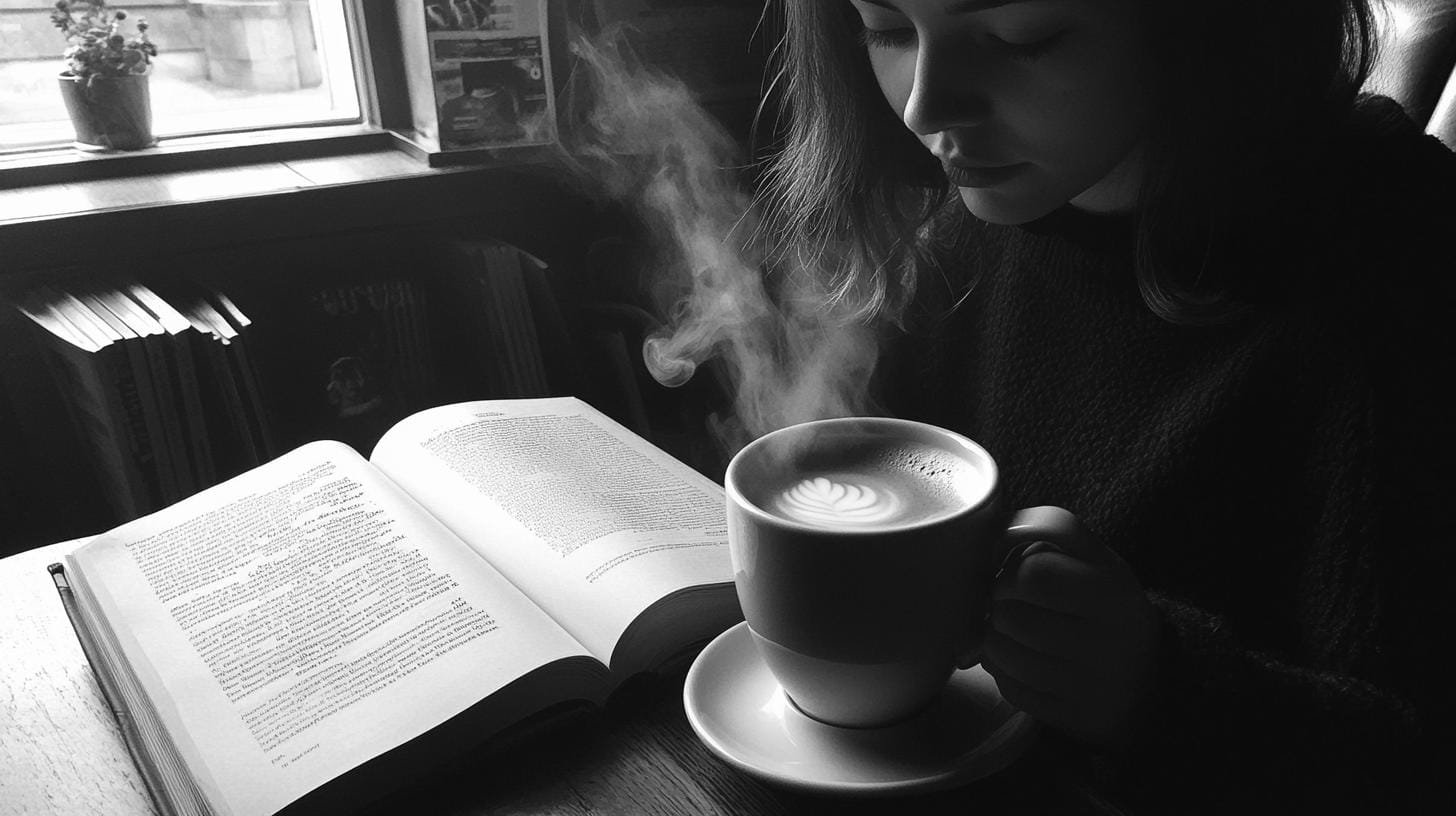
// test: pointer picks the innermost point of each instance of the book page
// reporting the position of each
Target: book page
(299, 619)
(589, 519)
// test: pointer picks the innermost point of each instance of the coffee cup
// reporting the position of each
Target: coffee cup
(863, 550)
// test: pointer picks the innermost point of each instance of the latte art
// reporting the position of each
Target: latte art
(821, 500)
(865, 483)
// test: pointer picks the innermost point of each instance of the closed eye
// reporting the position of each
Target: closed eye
(886, 38)
(1028, 51)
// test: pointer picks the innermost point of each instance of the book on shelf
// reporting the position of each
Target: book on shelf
(114, 312)
(150, 390)
(98, 382)
(237, 426)
(232, 328)
(555, 345)
(182, 341)
(347, 354)
(243, 365)
(490, 285)
(308, 633)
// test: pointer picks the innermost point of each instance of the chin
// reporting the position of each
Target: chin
(1007, 208)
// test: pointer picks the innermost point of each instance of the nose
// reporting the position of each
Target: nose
(945, 92)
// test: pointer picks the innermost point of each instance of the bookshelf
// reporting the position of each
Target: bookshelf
(480, 305)
(361, 265)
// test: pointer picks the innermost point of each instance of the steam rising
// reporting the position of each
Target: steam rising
(781, 349)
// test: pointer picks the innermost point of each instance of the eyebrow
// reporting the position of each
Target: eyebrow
(957, 6)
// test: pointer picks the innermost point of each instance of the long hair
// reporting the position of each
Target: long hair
(849, 190)
(848, 185)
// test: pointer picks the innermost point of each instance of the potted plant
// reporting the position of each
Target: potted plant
(104, 84)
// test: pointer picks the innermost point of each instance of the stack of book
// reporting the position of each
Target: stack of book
(159, 384)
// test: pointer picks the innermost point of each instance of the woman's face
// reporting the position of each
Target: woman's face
(1028, 104)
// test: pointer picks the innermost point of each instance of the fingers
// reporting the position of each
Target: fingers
(1052, 580)
(1029, 666)
(1045, 630)
(1021, 696)
(1058, 526)
(1069, 639)
(1058, 690)
(1027, 679)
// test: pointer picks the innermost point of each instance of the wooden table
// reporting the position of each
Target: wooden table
(61, 752)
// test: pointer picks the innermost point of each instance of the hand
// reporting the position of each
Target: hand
(1072, 636)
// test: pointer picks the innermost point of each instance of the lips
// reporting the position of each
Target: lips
(986, 176)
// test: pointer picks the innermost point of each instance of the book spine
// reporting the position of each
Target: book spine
(249, 384)
(415, 363)
(105, 674)
(174, 430)
(469, 296)
(559, 357)
(524, 327)
(121, 379)
(160, 398)
(77, 364)
(419, 310)
(180, 336)
(227, 377)
(130, 370)
(491, 280)
(98, 422)
(205, 467)
(380, 301)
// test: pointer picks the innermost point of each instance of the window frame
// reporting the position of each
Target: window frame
(369, 41)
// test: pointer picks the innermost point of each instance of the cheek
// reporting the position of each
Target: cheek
(895, 73)
(1091, 119)
(1081, 135)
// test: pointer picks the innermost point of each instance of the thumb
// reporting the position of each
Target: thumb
(1055, 526)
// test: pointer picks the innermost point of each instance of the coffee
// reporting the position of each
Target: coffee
(869, 483)
(863, 550)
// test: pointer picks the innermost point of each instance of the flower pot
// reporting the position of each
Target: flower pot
(109, 113)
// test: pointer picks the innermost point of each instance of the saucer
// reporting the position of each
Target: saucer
(741, 713)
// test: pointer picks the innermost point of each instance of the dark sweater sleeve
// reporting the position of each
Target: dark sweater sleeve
(1237, 730)
(1356, 714)
(1355, 717)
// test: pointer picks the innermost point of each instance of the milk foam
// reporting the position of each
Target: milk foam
(821, 500)
(871, 484)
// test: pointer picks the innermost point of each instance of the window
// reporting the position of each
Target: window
(223, 65)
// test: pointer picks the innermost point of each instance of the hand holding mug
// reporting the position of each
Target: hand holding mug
(1072, 637)
(863, 552)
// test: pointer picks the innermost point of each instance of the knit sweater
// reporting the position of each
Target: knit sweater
(1277, 483)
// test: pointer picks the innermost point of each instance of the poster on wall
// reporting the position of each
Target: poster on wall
(491, 73)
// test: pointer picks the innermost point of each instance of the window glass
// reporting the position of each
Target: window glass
(221, 65)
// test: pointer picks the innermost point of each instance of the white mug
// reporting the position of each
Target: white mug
(862, 618)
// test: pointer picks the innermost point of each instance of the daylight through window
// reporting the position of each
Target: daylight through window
(222, 65)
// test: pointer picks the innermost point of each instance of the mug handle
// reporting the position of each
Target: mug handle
(1031, 525)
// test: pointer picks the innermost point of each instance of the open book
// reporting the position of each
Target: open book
(311, 627)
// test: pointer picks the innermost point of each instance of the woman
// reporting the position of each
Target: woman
(1168, 267)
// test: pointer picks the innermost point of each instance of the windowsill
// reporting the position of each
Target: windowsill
(66, 207)
(63, 164)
